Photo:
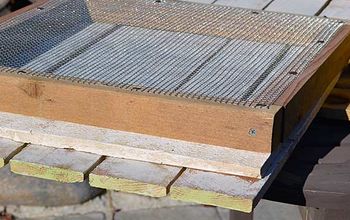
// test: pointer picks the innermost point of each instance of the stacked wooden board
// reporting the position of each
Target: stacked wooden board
(281, 124)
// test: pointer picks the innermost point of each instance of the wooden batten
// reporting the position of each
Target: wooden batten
(54, 164)
(225, 191)
(171, 117)
(134, 177)
(132, 146)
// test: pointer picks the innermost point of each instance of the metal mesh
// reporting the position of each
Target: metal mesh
(189, 50)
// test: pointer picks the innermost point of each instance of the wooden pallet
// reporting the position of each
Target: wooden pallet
(261, 129)
(186, 186)
(132, 176)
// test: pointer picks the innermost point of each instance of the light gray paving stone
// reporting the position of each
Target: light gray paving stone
(131, 202)
(88, 216)
(173, 213)
(268, 210)
(97, 206)
(23, 190)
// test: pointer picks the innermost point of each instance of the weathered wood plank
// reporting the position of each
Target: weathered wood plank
(55, 164)
(134, 146)
(234, 192)
(225, 191)
(134, 176)
(297, 6)
(250, 4)
(328, 186)
(337, 9)
(338, 155)
(8, 149)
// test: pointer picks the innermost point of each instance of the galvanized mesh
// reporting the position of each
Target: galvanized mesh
(188, 50)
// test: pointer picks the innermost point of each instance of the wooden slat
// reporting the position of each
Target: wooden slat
(120, 144)
(303, 7)
(338, 155)
(328, 185)
(134, 177)
(142, 113)
(225, 191)
(52, 163)
(8, 149)
(250, 4)
(337, 9)
(234, 192)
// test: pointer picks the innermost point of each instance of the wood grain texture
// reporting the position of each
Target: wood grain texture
(8, 149)
(299, 98)
(338, 155)
(134, 177)
(54, 164)
(297, 6)
(215, 189)
(328, 186)
(142, 113)
(237, 193)
(134, 146)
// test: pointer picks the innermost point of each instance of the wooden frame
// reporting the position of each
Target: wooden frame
(306, 91)
(195, 121)
(238, 127)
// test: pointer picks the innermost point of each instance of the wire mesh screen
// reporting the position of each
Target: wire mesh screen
(214, 53)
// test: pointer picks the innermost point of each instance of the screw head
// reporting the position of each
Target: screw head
(252, 132)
